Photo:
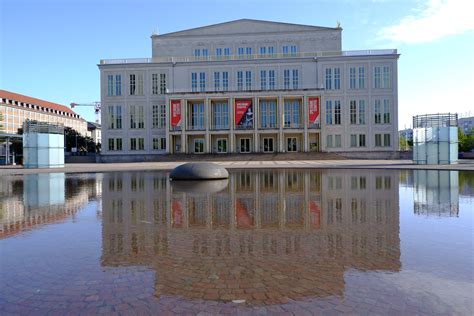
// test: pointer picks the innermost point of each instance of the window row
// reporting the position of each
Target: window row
(136, 81)
(245, 80)
(357, 78)
(358, 140)
(136, 143)
(290, 50)
(137, 116)
(357, 112)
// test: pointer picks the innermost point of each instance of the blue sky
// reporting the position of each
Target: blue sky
(50, 49)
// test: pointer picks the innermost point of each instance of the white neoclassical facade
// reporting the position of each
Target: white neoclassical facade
(250, 86)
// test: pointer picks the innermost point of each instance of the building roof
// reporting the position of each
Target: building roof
(247, 26)
(29, 100)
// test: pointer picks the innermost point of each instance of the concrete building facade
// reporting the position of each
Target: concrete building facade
(250, 86)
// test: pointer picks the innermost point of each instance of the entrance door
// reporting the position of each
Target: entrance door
(268, 146)
(291, 144)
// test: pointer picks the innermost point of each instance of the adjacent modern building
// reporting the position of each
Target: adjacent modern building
(250, 86)
(17, 108)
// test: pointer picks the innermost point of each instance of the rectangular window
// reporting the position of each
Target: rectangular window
(240, 80)
(263, 80)
(217, 81)
(244, 145)
(353, 112)
(197, 116)
(248, 51)
(386, 77)
(268, 114)
(291, 144)
(329, 112)
(155, 143)
(286, 78)
(111, 144)
(163, 143)
(285, 49)
(386, 140)
(137, 118)
(386, 112)
(337, 112)
(291, 114)
(377, 112)
(295, 79)
(362, 112)
(378, 140)
(218, 51)
(114, 117)
(248, 80)
(220, 118)
(197, 52)
(263, 50)
(154, 83)
(293, 50)
(133, 84)
(337, 141)
(202, 81)
(377, 79)
(221, 145)
(133, 144)
(362, 140)
(240, 51)
(361, 78)
(352, 78)
(328, 78)
(271, 50)
(271, 79)
(111, 117)
(194, 81)
(162, 83)
(337, 78)
(110, 85)
(329, 141)
(199, 145)
(118, 144)
(353, 140)
(226, 51)
(225, 81)
(159, 116)
(268, 144)
(141, 144)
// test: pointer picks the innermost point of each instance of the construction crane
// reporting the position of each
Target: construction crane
(96, 106)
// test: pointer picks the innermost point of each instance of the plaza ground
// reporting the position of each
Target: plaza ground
(466, 165)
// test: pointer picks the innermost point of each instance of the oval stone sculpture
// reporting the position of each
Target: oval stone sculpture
(199, 171)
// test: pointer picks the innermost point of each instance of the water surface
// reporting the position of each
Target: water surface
(299, 241)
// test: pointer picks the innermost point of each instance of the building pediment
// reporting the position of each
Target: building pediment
(245, 26)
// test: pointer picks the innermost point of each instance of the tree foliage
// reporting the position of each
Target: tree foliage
(465, 141)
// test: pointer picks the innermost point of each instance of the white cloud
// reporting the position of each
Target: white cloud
(432, 21)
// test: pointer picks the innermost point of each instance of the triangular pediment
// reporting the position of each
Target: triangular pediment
(245, 26)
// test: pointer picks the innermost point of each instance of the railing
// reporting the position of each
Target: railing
(175, 128)
(268, 126)
(314, 125)
(292, 125)
(196, 128)
(435, 120)
(187, 59)
(219, 127)
(244, 127)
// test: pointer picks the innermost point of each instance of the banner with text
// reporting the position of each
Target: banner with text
(175, 112)
(243, 113)
(313, 110)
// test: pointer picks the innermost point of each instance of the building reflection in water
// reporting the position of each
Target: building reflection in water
(436, 192)
(270, 235)
(35, 199)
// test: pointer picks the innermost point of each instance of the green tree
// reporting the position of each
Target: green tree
(465, 141)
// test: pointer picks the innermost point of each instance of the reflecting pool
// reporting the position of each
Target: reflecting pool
(267, 241)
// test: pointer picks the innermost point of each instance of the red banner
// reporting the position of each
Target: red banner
(314, 214)
(313, 109)
(175, 112)
(243, 112)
